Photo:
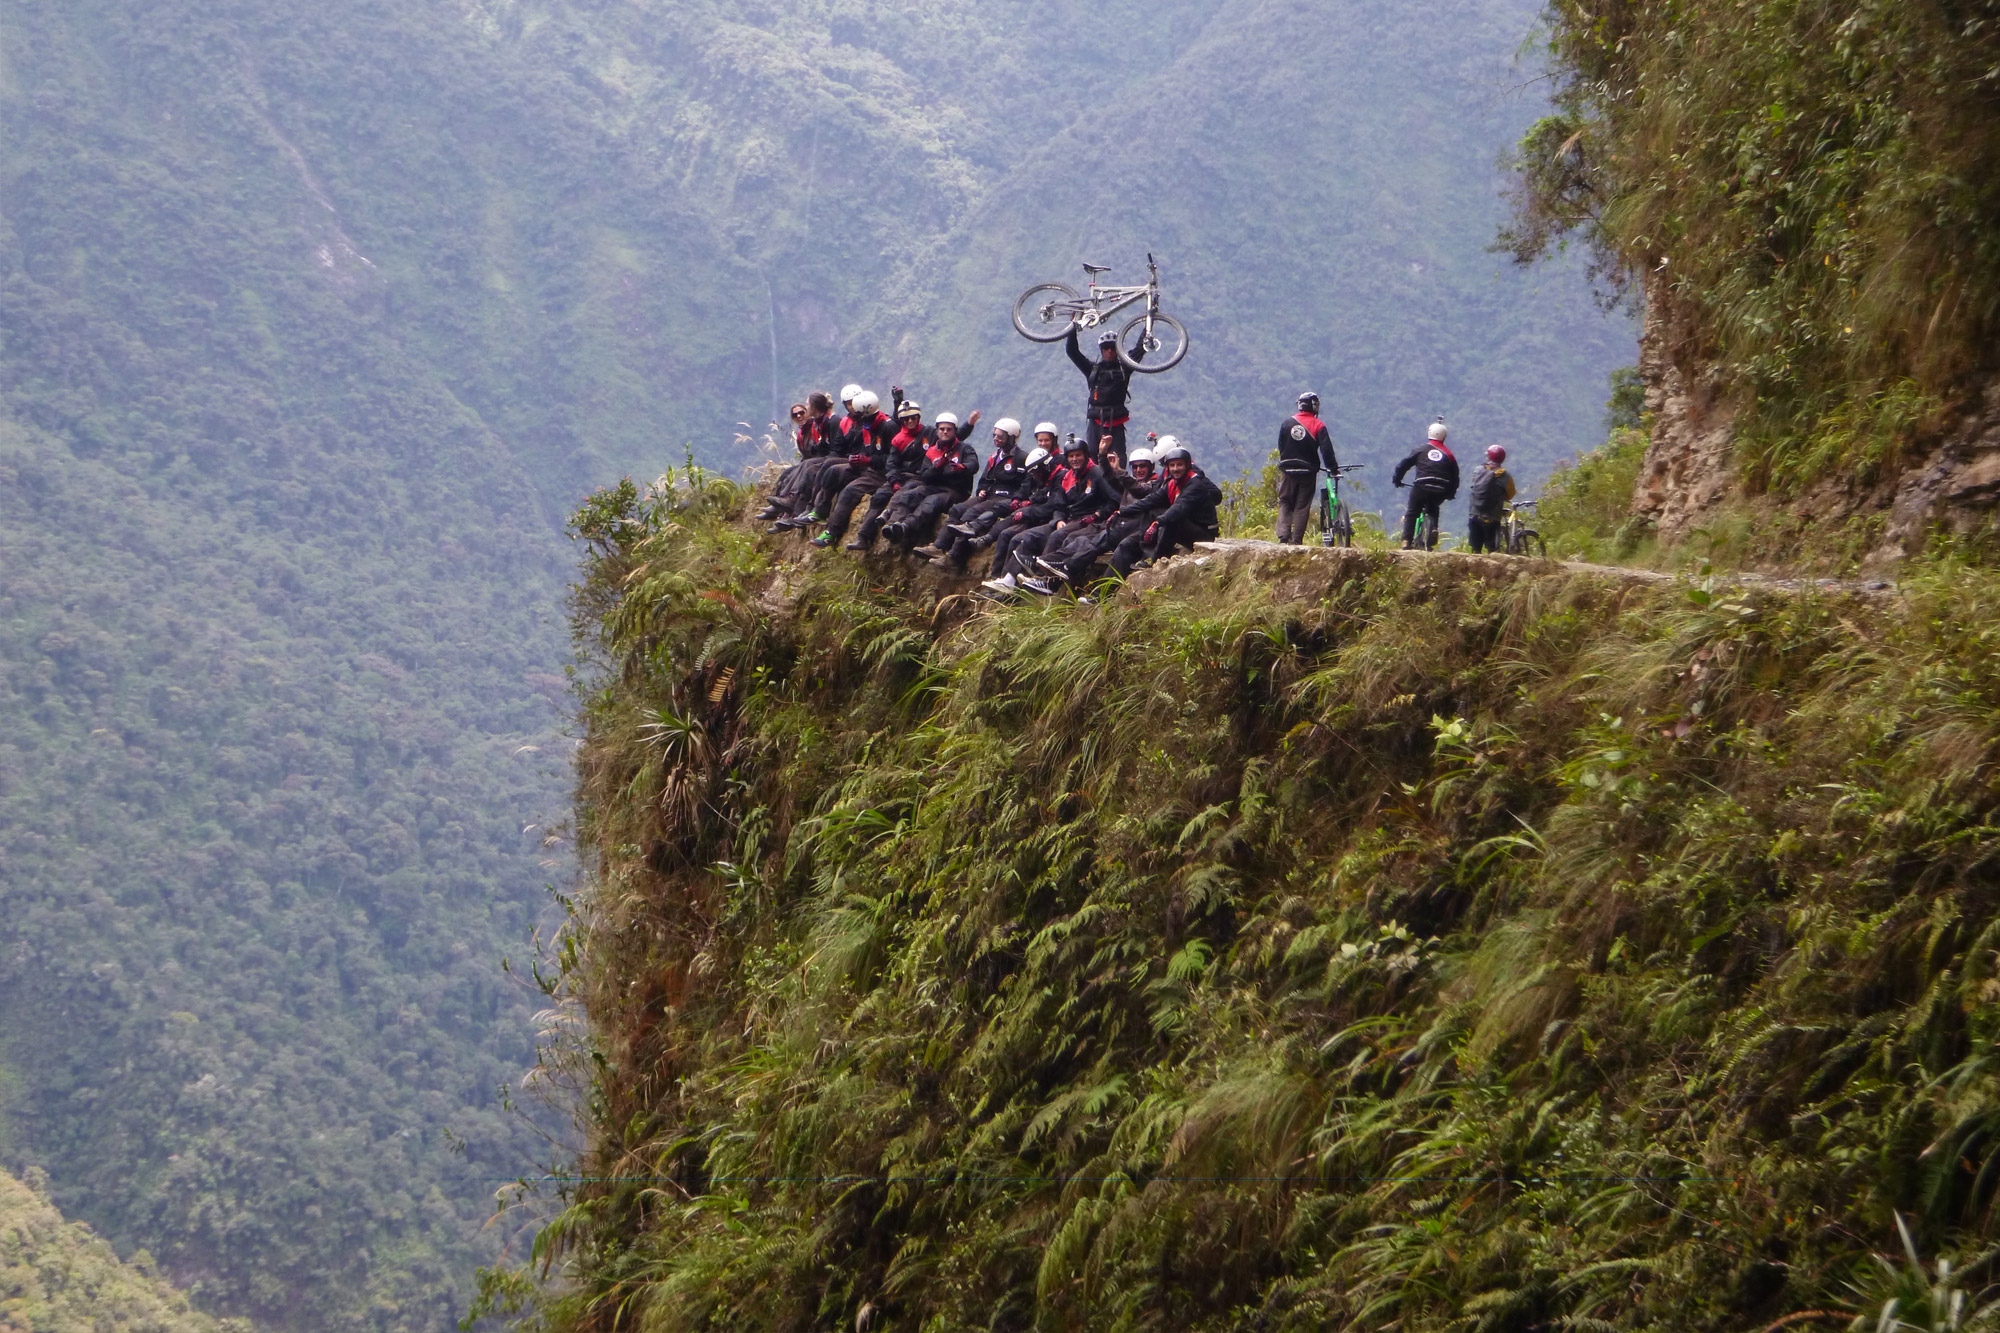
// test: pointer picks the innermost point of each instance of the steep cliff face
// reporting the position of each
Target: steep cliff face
(1322, 940)
(1944, 478)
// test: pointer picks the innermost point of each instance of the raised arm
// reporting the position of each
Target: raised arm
(1076, 353)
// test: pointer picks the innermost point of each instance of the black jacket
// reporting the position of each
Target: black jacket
(1437, 470)
(952, 469)
(1110, 382)
(1006, 474)
(815, 436)
(1078, 496)
(1304, 445)
(1191, 502)
(1142, 499)
(904, 458)
(863, 435)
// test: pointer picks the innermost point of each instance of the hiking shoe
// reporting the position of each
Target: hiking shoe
(962, 529)
(824, 540)
(857, 545)
(926, 553)
(769, 512)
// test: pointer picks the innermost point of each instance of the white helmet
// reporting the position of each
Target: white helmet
(1139, 456)
(1170, 449)
(1162, 444)
(1439, 430)
(1009, 427)
(1046, 428)
(946, 419)
(865, 402)
(1037, 456)
(849, 392)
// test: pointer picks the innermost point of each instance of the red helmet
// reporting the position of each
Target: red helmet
(1495, 454)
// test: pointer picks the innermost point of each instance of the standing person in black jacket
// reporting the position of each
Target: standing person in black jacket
(1304, 447)
(1487, 498)
(1110, 382)
(1436, 481)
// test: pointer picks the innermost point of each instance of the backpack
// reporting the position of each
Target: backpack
(1488, 494)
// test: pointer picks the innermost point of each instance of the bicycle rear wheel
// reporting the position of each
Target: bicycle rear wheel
(1342, 530)
(1529, 542)
(1045, 312)
(1164, 350)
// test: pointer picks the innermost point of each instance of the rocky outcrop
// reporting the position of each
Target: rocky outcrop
(1955, 485)
(1689, 471)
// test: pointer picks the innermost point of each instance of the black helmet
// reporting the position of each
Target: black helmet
(1169, 452)
(1308, 401)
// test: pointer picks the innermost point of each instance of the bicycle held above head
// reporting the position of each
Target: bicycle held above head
(1048, 311)
(1336, 523)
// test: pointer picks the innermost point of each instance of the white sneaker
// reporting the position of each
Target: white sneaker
(1005, 583)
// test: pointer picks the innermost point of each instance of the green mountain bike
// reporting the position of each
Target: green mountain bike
(1336, 522)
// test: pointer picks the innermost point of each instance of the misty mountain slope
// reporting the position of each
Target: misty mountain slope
(314, 321)
(277, 614)
(1321, 182)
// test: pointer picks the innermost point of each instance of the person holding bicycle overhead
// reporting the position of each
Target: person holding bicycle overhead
(1436, 481)
(1304, 447)
(1487, 498)
(1110, 382)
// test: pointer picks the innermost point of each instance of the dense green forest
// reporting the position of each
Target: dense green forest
(1809, 191)
(314, 321)
(59, 1277)
(1310, 941)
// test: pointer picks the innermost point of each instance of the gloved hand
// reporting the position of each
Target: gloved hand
(857, 460)
(1401, 484)
(1152, 533)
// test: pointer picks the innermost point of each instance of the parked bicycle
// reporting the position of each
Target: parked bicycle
(1336, 522)
(1517, 538)
(1047, 311)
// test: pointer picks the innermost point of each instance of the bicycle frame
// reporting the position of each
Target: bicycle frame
(1105, 300)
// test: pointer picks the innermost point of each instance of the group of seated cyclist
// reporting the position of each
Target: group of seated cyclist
(1046, 513)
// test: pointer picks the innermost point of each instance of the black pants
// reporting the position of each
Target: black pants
(1427, 503)
(862, 488)
(1485, 533)
(1021, 554)
(1295, 503)
(1005, 535)
(832, 478)
(1172, 536)
(1095, 543)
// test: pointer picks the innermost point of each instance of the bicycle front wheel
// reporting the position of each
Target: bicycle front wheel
(1164, 349)
(1343, 527)
(1529, 542)
(1045, 312)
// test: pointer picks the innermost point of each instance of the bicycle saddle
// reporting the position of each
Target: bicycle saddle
(1096, 268)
